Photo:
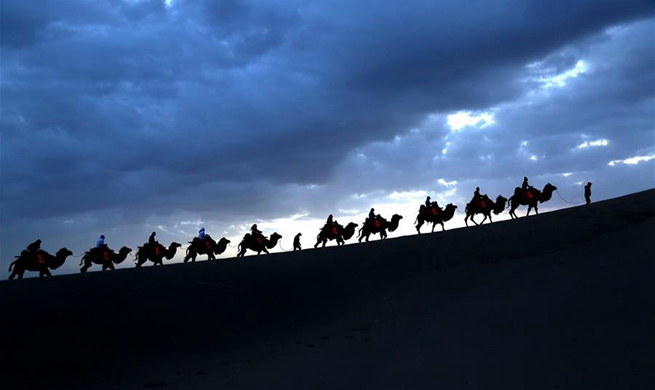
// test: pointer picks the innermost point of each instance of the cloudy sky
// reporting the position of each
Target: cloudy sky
(123, 117)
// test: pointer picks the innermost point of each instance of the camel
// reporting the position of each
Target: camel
(379, 225)
(207, 247)
(434, 215)
(40, 260)
(105, 257)
(155, 254)
(338, 232)
(485, 207)
(257, 244)
(530, 198)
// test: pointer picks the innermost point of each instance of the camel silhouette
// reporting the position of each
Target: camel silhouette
(40, 261)
(207, 247)
(531, 198)
(155, 253)
(485, 207)
(257, 244)
(379, 225)
(105, 257)
(338, 232)
(434, 215)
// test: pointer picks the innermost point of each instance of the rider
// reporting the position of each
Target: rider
(428, 205)
(101, 241)
(330, 224)
(101, 244)
(476, 196)
(526, 188)
(201, 233)
(256, 233)
(35, 246)
(373, 218)
(152, 243)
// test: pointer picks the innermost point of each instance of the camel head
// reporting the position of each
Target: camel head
(64, 253)
(124, 251)
(175, 245)
(549, 188)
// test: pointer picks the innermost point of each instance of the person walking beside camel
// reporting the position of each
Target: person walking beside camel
(587, 192)
(296, 242)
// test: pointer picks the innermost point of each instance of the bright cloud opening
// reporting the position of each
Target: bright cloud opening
(464, 119)
(561, 79)
(447, 183)
(407, 195)
(587, 144)
(632, 160)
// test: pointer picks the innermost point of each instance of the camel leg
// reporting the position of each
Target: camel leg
(473, 220)
(443, 228)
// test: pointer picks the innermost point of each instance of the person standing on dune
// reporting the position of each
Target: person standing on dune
(587, 193)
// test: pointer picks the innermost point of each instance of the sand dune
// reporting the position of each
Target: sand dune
(560, 300)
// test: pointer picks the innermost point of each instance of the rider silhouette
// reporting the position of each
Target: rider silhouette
(256, 234)
(374, 218)
(526, 188)
(100, 244)
(35, 246)
(152, 243)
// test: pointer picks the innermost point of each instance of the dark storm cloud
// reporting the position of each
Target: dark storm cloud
(138, 110)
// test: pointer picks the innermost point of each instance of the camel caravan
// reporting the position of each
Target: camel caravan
(35, 259)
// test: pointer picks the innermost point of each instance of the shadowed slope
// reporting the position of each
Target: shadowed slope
(397, 299)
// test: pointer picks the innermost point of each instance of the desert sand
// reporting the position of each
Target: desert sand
(562, 300)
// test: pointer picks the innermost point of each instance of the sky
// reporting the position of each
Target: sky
(123, 117)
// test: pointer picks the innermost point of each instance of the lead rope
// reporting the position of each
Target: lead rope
(565, 199)
(281, 247)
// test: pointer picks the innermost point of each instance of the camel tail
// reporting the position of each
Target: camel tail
(82, 259)
(12, 265)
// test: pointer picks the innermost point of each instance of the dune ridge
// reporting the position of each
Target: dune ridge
(334, 317)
